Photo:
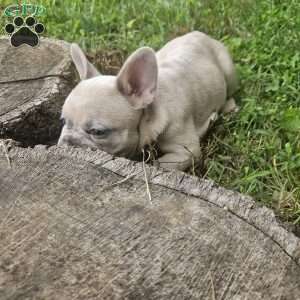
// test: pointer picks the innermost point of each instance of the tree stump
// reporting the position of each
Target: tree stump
(78, 224)
(34, 83)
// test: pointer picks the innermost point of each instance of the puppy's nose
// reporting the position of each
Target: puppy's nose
(68, 140)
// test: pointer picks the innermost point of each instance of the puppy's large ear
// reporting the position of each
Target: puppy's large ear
(85, 69)
(137, 80)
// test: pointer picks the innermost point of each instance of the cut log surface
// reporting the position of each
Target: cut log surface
(34, 83)
(79, 224)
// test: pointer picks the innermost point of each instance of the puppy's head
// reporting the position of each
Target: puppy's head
(105, 111)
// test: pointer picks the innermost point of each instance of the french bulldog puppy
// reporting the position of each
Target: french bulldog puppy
(169, 97)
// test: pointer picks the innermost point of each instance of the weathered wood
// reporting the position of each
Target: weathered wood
(34, 83)
(72, 228)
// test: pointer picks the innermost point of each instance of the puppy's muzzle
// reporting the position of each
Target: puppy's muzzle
(69, 140)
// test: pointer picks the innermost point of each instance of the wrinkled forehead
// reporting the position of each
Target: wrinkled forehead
(98, 100)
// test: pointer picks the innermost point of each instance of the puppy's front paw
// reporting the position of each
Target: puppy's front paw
(165, 165)
(174, 161)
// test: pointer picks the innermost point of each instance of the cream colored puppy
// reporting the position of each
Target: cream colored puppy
(168, 97)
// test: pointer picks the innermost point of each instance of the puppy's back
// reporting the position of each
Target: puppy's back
(196, 49)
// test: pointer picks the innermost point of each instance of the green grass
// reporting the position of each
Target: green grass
(256, 151)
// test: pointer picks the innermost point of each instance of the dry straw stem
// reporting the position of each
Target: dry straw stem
(6, 153)
(146, 177)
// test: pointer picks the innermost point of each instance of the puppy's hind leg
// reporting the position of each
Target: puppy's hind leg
(227, 66)
(229, 72)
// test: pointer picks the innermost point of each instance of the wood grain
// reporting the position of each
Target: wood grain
(68, 231)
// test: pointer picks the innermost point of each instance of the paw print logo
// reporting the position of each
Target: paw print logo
(24, 32)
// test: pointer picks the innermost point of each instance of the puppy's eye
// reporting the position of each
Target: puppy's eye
(100, 133)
